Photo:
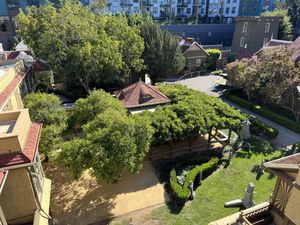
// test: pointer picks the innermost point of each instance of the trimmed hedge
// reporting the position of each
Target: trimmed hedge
(182, 193)
(290, 124)
(258, 127)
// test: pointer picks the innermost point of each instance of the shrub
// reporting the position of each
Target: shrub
(258, 127)
(217, 72)
(182, 193)
(296, 145)
(290, 124)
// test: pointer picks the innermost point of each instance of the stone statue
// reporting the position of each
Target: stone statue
(245, 130)
(246, 201)
(192, 192)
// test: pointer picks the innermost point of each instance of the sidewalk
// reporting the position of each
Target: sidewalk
(285, 137)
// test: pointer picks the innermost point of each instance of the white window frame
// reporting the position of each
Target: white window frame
(245, 27)
(242, 42)
(267, 27)
(198, 62)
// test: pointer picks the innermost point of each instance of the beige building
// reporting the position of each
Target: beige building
(253, 32)
(283, 207)
(16, 80)
(24, 189)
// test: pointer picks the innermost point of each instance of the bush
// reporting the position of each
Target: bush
(258, 127)
(182, 193)
(217, 72)
(288, 123)
(296, 145)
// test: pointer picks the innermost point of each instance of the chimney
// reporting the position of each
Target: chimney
(190, 40)
(147, 79)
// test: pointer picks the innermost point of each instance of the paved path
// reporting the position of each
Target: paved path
(208, 85)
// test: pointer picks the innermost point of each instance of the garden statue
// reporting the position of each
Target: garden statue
(245, 130)
(200, 178)
(246, 201)
(230, 156)
(295, 150)
(192, 195)
(261, 169)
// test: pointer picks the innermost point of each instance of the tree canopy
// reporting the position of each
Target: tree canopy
(112, 140)
(83, 47)
(272, 79)
(162, 54)
(46, 109)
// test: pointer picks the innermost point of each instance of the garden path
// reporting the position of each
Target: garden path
(84, 201)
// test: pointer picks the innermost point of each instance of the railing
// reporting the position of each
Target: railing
(253, 212)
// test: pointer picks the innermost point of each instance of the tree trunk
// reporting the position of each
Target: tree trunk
(85, 85)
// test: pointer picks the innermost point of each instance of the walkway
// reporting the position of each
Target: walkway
(285, 137)
(208, 85)
(84, 201)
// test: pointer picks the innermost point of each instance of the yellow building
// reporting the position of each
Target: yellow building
(283, 207)
(24, 189)
(16, 80)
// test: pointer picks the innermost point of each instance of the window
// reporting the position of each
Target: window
(224, 63)
(13, 4)
(136, 9)
(198, 62)
(189, 1)
(155, 1)
(202, 11)
(267, 28)
(242, 42)
(233, 10)
(227, 10)
(265, 41)
(155, 10)
(234, 1)
(228, 1)
(135, 1)
(245, 27)
(203, 2)
(188, 11)
(3, 26)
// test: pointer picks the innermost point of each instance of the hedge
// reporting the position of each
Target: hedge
(290, 124)
(258, 127)
(182, 193)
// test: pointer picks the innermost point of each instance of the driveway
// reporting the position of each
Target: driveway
(84, 201)
(209, 85)
(204, 83)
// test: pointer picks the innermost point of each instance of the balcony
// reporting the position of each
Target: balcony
(127, 3)
(182, 5)
(147, 4)
(259, 214)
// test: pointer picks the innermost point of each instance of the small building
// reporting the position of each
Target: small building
(283, 205)
(254, 32)
(24, 189)
(195, 54)
(141, 96)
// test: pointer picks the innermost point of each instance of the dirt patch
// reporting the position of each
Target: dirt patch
(84, 201)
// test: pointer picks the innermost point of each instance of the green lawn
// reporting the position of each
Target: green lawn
(224, 185)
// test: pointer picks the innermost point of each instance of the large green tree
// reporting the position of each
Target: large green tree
(78, 43)
(46, 109)
(285, 31)
(112, 140)
(293, 7)
(162, 54)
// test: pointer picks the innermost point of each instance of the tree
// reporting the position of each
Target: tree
(86, 109)
(46, 109)
(113, 142)
(78, 44)
(243, 74)
(162, 54)
(285, 26)
(213, 56)
(293, 7)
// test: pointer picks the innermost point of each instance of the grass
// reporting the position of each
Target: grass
(224, 185)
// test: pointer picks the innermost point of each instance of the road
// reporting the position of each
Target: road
(208, 84)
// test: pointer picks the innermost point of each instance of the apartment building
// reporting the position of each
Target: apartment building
(252, 33)
(255, 8)
(24, 189)
(16, 80)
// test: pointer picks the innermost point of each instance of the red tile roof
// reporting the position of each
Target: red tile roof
(29, 151)
(276, 42)
(4, 96)
(140, 94)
